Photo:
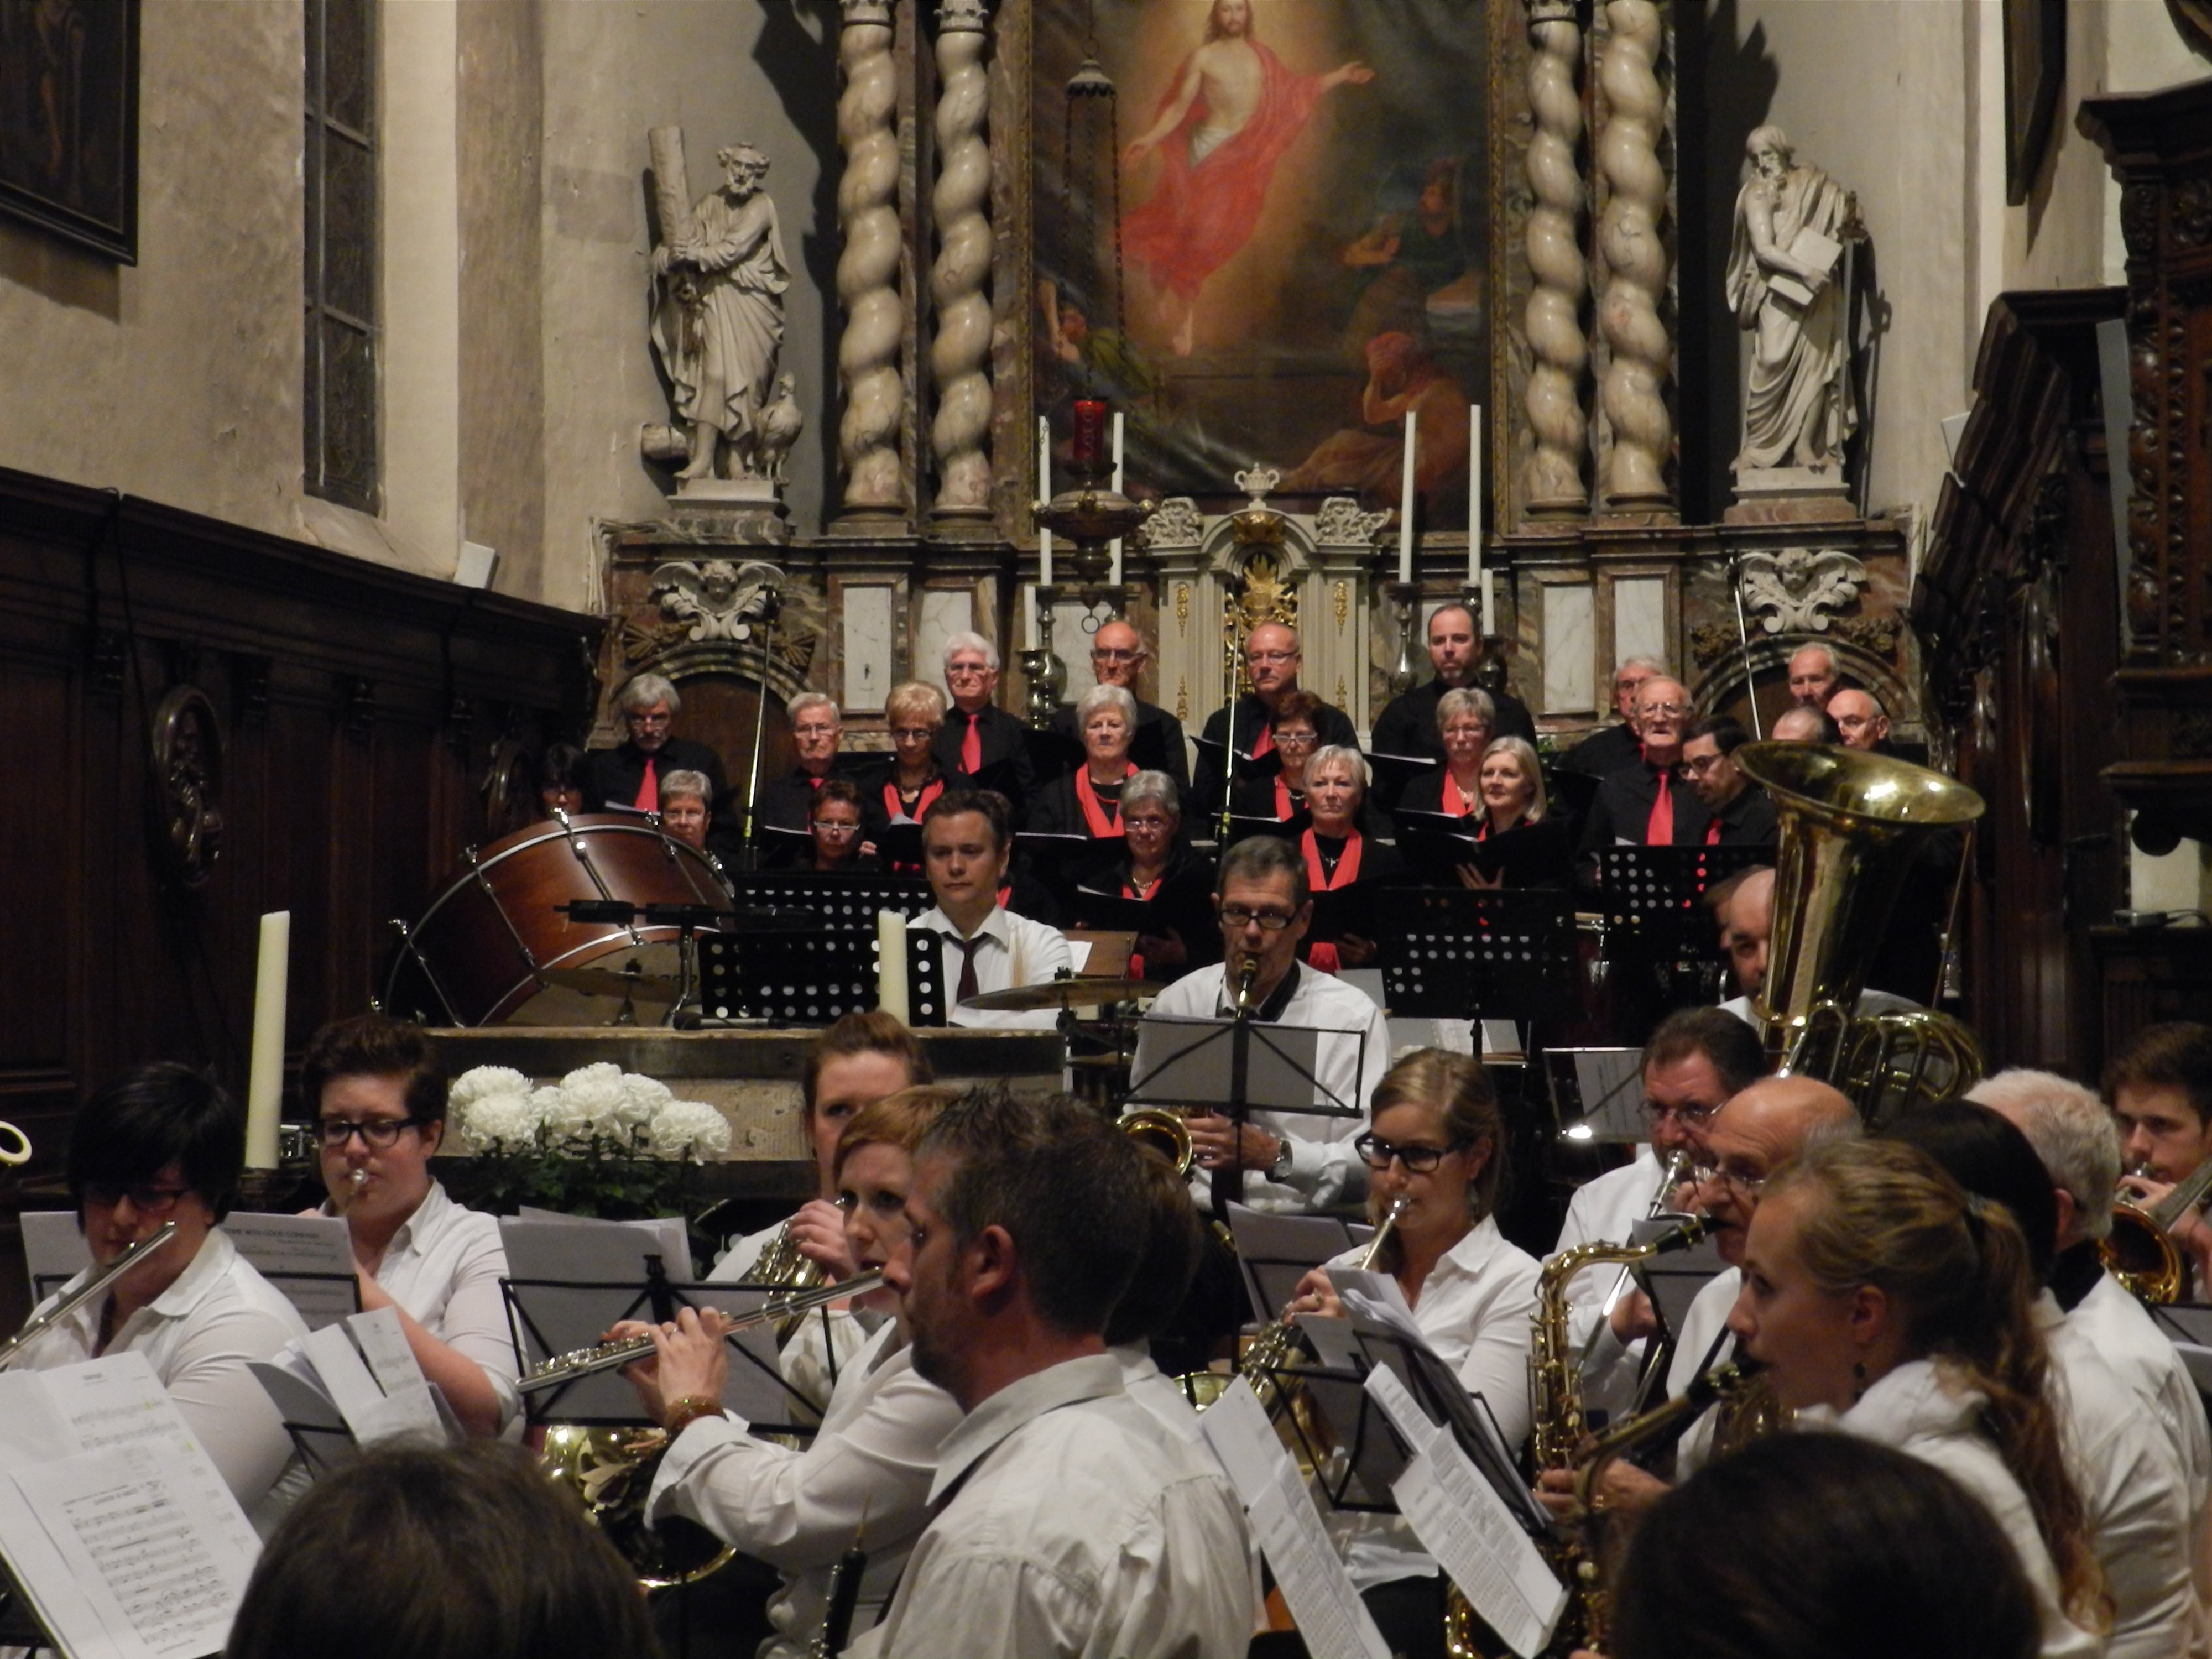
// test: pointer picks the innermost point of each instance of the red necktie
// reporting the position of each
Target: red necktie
(1660, 832)
(1713, 833)
(648, 792)
(971, 746)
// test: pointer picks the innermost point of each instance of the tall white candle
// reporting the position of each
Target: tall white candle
(891, 966)
(1406, 500)
(1115, 578)
(1475, 580)
(1044, 495)
(265, 1087)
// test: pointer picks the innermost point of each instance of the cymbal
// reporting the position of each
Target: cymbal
(1061, 994)
(611, 983)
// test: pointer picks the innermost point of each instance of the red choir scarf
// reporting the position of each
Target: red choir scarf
(1094, 814)
(1323, 956)
(896, 807)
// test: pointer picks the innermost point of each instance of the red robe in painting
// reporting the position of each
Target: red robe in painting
(1200, 216)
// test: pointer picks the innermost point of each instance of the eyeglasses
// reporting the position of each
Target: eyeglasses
(832, 826)
(1146, 821)
(1670, 711)
(1689, 1116)
(815, 729)
(1747, 1182)
(966, 670)
(912, 733)
(1274, 658)
(1108, 654)
(1297, 739)
(376, 1132)
(647, 717)
(1418, 1158)
(1236, 916)
(147, 1198)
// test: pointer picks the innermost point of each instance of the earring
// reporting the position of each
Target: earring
(1858, 1381)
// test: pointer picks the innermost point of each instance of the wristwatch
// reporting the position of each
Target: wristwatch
(1280, 1171)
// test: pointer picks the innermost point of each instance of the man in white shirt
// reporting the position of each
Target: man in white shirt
(1696, 1059)
(966, 838)
(1293, 1161)
(1066, 1522)
(165, 1145)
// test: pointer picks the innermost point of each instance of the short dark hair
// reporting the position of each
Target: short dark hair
(140, 1124)
(1986, 1152)
(1726, 732)
(374, 1045)
(844, 789)
(561, 767)
(995, 809)
(1173, 1242)
(1299, 705)
(1263, 858)
(1812, 1520)
(1730, 1044)
(870, 1031)
(1068, 1190)
(466, 1552)
(2176, 1055)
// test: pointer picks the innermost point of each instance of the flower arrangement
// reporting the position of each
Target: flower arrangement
(601, 1142)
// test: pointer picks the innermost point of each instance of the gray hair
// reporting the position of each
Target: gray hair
(1525, 752)
(1340, 754)
(1826, 650)
(1263, 858)
(647, 689)
(969, 640)
(806, 700)
(2071, 1131)
(1467, 699)
(1103, 696)
(1153, 786)
(1652, 664)
(688, 783)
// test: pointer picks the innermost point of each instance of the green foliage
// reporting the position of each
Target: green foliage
(613, 1177)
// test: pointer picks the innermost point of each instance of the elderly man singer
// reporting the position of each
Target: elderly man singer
(978, 737)
(1118, 656)
(629, 775)
(1273, 659)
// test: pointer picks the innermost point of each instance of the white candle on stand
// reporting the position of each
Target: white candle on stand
(264, 1086)
(891, 966)
(1044, 495)
(1475, 580)
(1406, 502)
(1115, 578)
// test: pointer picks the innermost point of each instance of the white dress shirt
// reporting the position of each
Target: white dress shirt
(824, 1345)
(2135, 1504)
(1911, 1409)
(2128, 1339)
(1703, 1343)
(1606, 1211)
(874, 1455)
(1068, 1527)
(443, 1266)
(1326, 1174)
(1009, 951)
(198, 1335)
(1155, 1391)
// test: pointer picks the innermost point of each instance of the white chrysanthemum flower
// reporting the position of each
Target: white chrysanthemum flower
(567, 1113)
(690, 1128)
(643, 1097)
(599, 1071)
(474, 1084)
(597, 1098)
(504, 1120)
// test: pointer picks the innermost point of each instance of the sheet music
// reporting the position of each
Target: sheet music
(1375, 1296)
(1275, 1251)
(1332, 1619)
(1467, 1528)
(308, 1258)
(383, 1343)
(582, 1241)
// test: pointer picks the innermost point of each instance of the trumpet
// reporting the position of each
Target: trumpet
(610, 1356)
(1272, 1349)
(2140, 1251)
(85, 1292)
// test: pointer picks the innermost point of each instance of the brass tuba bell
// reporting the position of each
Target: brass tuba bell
(1851, 825)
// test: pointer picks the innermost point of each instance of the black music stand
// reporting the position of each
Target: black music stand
(1656, 923)
(811, 979)
(1467, 954)
(1274, 1252)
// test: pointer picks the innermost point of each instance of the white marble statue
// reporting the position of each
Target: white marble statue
(717, 318)
(1785, 281)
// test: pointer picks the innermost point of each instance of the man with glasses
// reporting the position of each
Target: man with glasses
(1409, 725)
(1742, 814)
(628, 778)
(165, 1144)
(818, 732)
(380, 1100)
(1647, 803)
(1696, 1059)
(978, 737)
(1118, 656)
(1293, 1161)
(1611, 747)
(1272, 661)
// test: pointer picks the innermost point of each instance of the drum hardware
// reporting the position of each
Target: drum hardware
(1065, 993)
(398, 924)
(92, 1288)
(583, 855)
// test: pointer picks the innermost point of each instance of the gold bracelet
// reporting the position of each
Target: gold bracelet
(686, 1411)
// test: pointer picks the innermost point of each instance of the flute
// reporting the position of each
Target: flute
(608, 1356)
(86, 1291)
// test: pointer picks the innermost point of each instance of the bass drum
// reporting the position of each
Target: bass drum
(492, 948)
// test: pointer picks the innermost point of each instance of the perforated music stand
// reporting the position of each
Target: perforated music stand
(1642, 885)
(842, 903)
(1466, 955)
(811, 979)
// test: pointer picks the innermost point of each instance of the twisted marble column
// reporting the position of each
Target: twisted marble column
(1558, 353)
(1640, 354)
(867, 269)
(960, 354)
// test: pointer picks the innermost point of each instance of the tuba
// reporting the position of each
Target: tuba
(1851, 823)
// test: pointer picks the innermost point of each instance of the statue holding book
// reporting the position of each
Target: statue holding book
(1787, 280)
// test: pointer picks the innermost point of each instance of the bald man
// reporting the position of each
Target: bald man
(1409, 726)
(1803, 724)
(1746, 922)
(1272, 662)
(1861, 720)
(1118, 656)
(1651, 802)
(1812, 678)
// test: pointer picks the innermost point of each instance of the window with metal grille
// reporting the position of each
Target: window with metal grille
(342, 232)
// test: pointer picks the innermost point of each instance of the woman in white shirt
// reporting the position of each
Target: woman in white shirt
(875, 1454)
(380, 1101)
(1438, 1142)
(1885, 1301)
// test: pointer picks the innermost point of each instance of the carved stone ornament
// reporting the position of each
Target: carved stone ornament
(188, 766)
(1176, 522)
(1256, 482)
(1800, 589)
(719, 600)
(1340, 523)
(1711, 641)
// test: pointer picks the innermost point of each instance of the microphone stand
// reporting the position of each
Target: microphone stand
(1228, 769)
(771, 602)
(1228, 1179)
(1743, 640)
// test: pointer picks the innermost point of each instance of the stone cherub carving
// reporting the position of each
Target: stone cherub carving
(718, 315)
(719, 600)
(1786, 279)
